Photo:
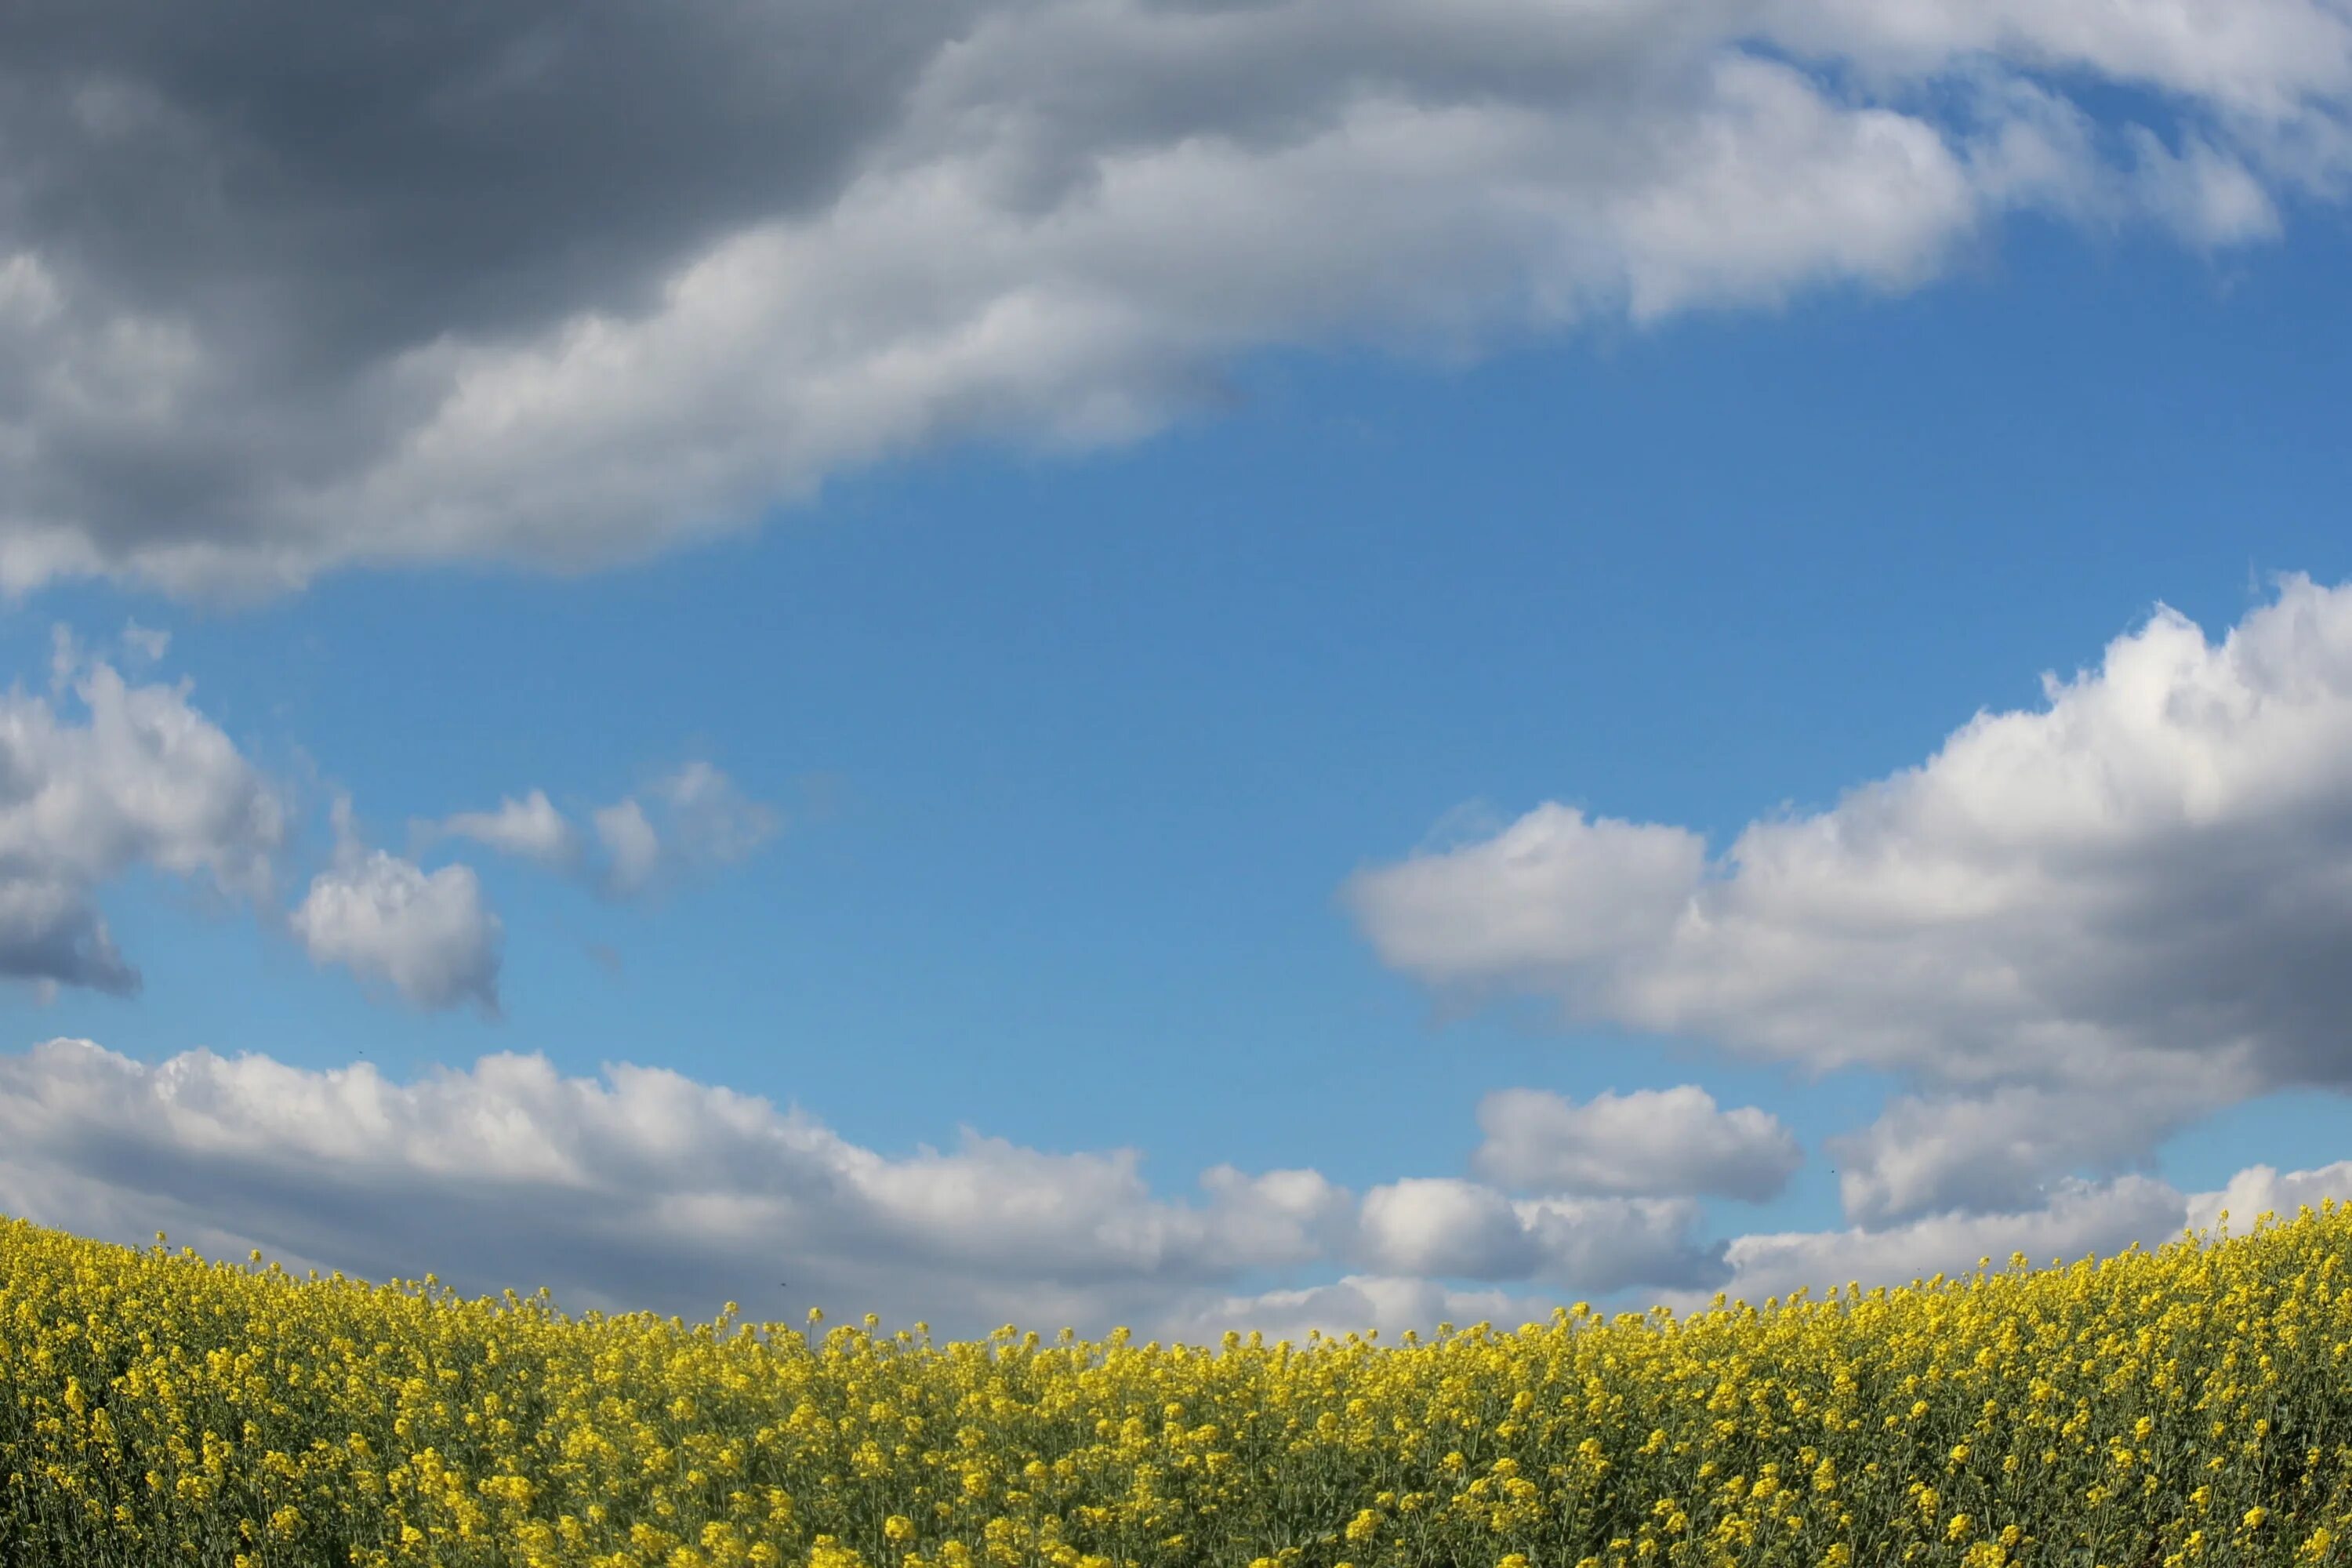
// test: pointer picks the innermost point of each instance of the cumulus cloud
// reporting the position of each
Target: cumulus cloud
(138, 778)
(2073, 928)
(1658, 1142)
(563, 286)
(1440, 1225)
(426, 936)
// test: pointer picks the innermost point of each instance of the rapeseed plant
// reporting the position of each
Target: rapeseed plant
(2190, 1406)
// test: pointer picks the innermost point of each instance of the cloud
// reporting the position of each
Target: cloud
(1446, 1228)
(2073, 928)
(101, 777)
(2263, 1189)
(1599, 1245)
(640, 1188)
(562, 288)
(145, 644)
(712, 823)
(2250, 58)
(1439, 1225)
(427, 936)
(1999, 1150)
(632, 848)
(644, 1188)
(141, 779)
(531, 827)
(2079, 1219)
(1659, 1142)
(705, 822)
(1358, 1303)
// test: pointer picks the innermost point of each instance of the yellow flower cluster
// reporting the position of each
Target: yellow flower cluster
(2188, 1406)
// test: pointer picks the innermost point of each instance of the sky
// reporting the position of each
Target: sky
(1190, 664)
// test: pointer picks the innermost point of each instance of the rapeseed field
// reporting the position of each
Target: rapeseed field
(2188, 1406)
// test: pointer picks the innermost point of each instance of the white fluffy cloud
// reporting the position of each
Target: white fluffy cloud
(1659, 1142)
(1439, 1225)
(270, 351)
(2264, 1189)
(428, 936)
(1450, 1228)
(2075, 928)
(140, 780)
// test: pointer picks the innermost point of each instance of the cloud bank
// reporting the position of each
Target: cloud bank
(646, 1189)
(564, 286)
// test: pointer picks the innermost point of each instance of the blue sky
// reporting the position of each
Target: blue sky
(1078, 744)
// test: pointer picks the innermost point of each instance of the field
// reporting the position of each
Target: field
(2188, 1406)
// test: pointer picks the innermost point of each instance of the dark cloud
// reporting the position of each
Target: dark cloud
(284, 288)
(314, 191)
(353, 184)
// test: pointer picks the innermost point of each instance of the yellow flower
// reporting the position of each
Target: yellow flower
(435, 1425)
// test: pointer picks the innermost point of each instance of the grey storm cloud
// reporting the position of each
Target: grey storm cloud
(287, 288)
